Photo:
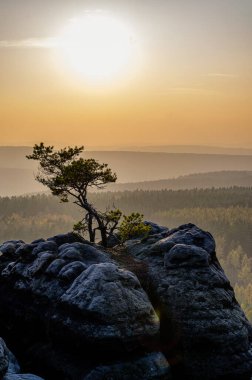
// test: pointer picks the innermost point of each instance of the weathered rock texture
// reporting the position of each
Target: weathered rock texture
(204, 332)
(70, 312)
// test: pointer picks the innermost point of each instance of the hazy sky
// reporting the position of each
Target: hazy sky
(188, 79)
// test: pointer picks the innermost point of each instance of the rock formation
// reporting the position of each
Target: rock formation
(74, 310)
(204, 332)
(69, 310)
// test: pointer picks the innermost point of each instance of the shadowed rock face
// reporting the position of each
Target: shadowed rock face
(9, 367)
(71, 312)
(4, 360)
(204, 332)
(153, 365)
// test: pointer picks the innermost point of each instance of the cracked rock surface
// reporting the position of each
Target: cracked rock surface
(76, 314)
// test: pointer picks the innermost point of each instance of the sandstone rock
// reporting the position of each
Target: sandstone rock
(191, 235)
(140, 246)
(9, 247)
(115, 301)
(39, 264)
(4, 359)
(156, 228)
(204, 332)
(13, 367)
(55, 267)
(71, 237)
(36, 241)
(79, 316)
(9, 367)
(182, 255)
(44, 246)
(25, 251)
(71, 254)
(73, 310)
(151, 367)
(72, 270)
(82, 251)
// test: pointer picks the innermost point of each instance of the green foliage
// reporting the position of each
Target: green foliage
(28, 228)
(113, 216)
(111, 220)
(132, 226)
(69, 176)
(66, 174)
(80, 227)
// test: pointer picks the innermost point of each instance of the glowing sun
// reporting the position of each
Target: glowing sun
(97, 46)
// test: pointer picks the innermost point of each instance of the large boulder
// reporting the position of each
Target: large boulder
(74, 313)
(204, 332)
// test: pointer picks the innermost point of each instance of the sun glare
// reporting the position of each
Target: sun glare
(97, 46)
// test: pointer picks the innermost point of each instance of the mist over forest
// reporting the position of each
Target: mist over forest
(158, 170)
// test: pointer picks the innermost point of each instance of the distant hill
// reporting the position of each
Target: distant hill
(18, 181)
(197, 149)
(17, 173)
(21, 181)
(144, 166)
(191, 181)
(14, 157)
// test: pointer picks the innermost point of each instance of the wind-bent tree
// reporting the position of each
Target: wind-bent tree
(69, 176)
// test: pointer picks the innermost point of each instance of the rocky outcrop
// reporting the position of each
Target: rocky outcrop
(69, 310)
(204, 332)
(76, 314)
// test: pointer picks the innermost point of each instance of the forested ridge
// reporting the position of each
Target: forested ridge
(217, 179)
(225, 212)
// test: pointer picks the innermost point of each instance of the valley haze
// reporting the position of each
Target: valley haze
(17, 173)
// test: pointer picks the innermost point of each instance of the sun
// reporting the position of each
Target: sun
(97, 46)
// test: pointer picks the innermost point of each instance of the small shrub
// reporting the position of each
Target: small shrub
(132, 227)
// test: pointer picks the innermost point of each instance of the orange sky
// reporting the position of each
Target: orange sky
(190, 82)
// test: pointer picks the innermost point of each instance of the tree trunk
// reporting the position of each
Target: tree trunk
(90, 228)
(92, 213)
(104, 237)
